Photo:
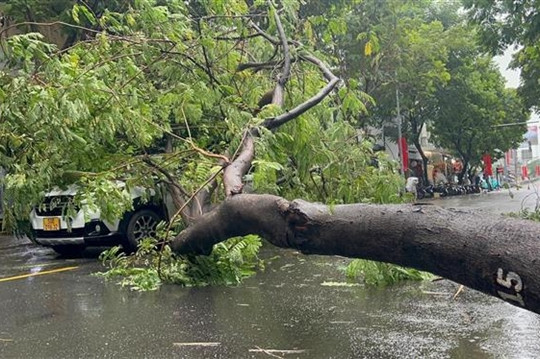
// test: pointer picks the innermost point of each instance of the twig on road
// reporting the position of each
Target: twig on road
(460, 289)
(280, 351)
(197, 344)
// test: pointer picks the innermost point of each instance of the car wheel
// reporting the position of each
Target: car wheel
(141, 224)
(68, 250)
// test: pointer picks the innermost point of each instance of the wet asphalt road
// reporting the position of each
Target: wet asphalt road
(299, 303)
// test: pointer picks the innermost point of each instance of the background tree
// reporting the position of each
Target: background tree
(46, 16)
(32, 12)
(36, 11)
(391, 46)
(421, 71)
(473, 103)
(512, 23)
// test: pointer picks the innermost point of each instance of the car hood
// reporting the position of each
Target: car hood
(72, 190)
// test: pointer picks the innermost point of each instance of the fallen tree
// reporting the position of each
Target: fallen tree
(496, 256)
(492, 254)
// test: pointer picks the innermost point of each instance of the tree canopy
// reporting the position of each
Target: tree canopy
(164, 93)
(512, 24)
(473, 106)
(409, 51)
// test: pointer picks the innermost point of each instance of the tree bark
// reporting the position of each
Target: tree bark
(425, 160)
(493, 254)
(463, 172)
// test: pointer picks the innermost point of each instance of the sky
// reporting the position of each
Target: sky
(511, 76)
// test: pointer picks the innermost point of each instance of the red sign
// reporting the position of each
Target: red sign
(524, 172)
(404, 153)
(488, 169)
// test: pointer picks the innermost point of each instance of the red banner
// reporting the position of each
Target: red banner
(524, 172)
(537, 170)
(508, 157)
(405, 153)
(488, 168)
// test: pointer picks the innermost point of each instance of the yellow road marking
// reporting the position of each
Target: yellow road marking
(22, 276)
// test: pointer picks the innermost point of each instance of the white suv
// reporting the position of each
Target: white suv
(87, 228)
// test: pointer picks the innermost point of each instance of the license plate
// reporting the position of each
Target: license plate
(51, 224)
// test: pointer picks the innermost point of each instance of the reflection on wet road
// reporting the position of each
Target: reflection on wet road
(527, 197)
(285, 311)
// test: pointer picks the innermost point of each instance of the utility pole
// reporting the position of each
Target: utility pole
(516, 166)
(506, 177)
(398, 111)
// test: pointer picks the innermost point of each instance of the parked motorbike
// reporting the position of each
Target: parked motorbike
(425, 192)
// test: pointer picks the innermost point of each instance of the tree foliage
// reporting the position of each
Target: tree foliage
(512, 23)
(229, 263)
(33, 11)
(474, 105)
(162, 93)
(406, 51)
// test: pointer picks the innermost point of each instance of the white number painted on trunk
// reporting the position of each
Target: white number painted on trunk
(511, 281)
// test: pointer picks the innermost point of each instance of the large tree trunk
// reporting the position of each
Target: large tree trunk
(464, 169)
(425, 160)
(496, 255)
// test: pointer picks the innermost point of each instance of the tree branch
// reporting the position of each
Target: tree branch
(232, 177)
(262, 33)
(233, 174)
(270, 38)
(236, 38)
(47, 24)
(260, 65)
(303, 107)
(205, 69)
(179, 195)
(278, 97)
